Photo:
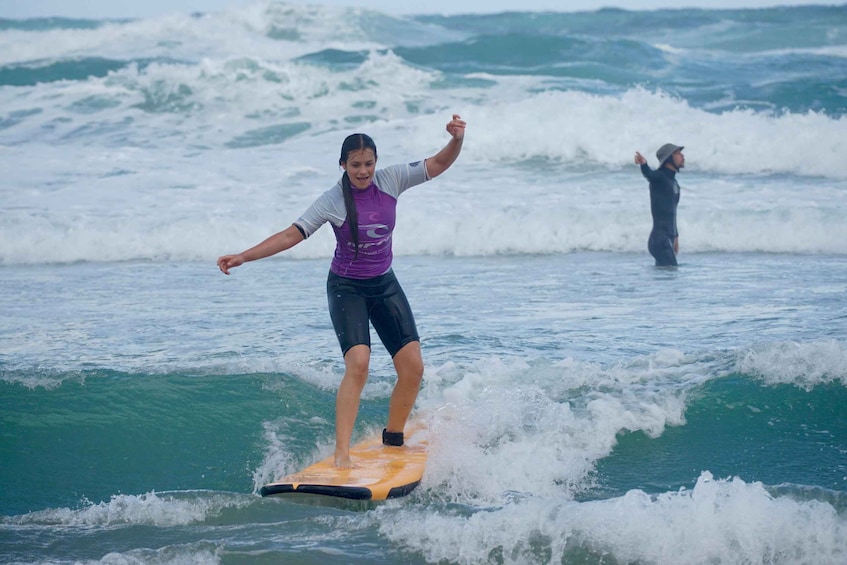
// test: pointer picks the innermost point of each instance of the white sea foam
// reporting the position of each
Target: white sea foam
(581, 127)
(719, 520)
(802, 364)
(199, 210)
(202, 553)
(552, 423)
(82, 202)
(214, 135)
(158, 509)
(263, 29)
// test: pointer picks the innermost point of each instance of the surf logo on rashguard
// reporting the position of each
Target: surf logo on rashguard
(377, 235)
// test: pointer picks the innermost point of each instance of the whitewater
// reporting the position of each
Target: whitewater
(584, 406)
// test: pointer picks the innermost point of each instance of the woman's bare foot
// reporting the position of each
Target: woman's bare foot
(342, 460)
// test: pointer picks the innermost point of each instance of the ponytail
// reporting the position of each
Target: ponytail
(354, 142)
(352, 213)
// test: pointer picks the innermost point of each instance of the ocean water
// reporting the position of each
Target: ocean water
(584, 406)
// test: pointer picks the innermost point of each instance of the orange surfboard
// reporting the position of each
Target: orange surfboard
(379, 472)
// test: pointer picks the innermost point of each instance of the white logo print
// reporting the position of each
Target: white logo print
(376, 231)
(379, 235)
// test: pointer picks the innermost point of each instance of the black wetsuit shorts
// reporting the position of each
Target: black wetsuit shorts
(378, 300)
(660, 246)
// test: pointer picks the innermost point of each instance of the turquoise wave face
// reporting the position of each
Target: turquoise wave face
(74, 69)
(47, 24)
(103, 432)
(779, 435)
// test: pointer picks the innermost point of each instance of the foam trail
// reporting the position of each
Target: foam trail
(725, 520)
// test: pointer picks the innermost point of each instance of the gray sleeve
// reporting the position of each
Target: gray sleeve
(394, 180)
(329, 207)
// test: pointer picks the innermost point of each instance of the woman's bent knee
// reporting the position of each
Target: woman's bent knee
(356, 361)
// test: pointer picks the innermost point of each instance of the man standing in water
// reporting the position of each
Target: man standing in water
(663, 243)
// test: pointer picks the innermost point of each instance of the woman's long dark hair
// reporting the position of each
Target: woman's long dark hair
(354, 142)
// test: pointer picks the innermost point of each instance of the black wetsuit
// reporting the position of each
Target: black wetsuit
(664, 197)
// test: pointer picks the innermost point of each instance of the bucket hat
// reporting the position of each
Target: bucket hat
(665, 151)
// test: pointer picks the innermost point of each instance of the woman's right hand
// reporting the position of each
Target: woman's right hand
(227, 262)
(639, 159)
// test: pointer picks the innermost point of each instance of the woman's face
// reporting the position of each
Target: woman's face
(360, 167)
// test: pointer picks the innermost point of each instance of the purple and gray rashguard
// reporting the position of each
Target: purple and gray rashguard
(361, 287)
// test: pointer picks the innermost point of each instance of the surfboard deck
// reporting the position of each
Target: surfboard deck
(379, 472)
